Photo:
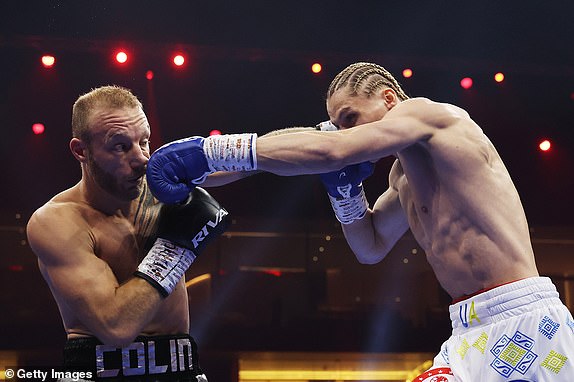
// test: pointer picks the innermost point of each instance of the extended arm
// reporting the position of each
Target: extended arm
(178, 166)
(221, 178)
(316, 152)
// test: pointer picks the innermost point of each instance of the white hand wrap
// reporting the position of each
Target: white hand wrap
(231, 152)
(326, 126)
(164, 265)
(347, 210)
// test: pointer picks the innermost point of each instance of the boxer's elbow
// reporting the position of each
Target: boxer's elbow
(371, 254)
(116, 333)
(117, 339)
(369, 258)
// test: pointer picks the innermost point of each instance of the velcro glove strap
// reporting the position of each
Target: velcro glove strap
(349, 209)
(164, 265)
(231, 152)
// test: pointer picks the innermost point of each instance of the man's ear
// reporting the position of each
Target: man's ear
(78, 149)
(390, 97)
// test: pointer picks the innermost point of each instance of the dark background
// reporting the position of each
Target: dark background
(248, 70)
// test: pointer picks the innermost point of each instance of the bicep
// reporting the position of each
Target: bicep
(385, 137)
(69, 264)
(389, 219)
(84, 284)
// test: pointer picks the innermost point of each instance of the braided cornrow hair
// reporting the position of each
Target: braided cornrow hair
(365, 77)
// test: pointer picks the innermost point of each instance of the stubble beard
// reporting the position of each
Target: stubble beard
(110, 184)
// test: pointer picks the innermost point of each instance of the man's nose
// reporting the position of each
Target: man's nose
(140, 156)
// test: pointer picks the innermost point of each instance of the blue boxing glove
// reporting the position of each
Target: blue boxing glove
(346, 193)
(174, 169)
(178, 167)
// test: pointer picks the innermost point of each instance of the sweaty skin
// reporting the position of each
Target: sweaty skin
(90, 238)
(448, 185)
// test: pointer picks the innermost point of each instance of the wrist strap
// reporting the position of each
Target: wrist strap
(231, 152)
(347, 210)
(326, 126)
(164, 265)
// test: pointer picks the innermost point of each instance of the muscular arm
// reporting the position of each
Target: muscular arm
(372, 237)
(222, 178)
(84, 284)
(310, 152)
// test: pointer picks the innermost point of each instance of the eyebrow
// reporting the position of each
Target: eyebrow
(111, 134)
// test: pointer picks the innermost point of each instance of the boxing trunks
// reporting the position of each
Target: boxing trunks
(519, 332)
(148, 359)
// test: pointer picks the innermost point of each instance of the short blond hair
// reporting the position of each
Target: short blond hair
(110, 96)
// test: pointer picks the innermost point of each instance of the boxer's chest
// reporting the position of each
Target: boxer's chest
(117, 244)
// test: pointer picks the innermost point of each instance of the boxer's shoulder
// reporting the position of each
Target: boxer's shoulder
(63, 220)
(66, 208)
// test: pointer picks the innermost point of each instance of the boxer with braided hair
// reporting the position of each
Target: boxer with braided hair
(448, 185)
(367, 78)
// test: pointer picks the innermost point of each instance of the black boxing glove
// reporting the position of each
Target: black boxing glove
(183, 232)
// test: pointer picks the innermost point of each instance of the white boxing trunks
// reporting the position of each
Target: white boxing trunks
(519, 332)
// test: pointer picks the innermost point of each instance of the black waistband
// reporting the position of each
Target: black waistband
(147, 359)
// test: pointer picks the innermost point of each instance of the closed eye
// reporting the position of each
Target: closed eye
(349, 120)
(121, 147)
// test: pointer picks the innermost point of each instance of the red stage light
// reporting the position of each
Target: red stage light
(499, 77)
(178, 60)
(121, 57)
(466, 83)
(215, 132)
(545, 145)
(48, 61)
(149, 75)
(38, 128)
(407, 73)
(273, 272)
(316, 68)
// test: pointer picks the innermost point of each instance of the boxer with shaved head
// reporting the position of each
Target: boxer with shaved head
(114, 257)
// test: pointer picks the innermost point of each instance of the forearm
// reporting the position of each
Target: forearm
(221, 178)
(289, 130)
(123, 316)
(362, 240)
(374, 236)
(303, 152)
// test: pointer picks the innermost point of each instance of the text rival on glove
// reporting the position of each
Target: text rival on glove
(202, 234)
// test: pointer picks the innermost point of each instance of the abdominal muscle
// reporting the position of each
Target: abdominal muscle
(467, 261)
(474, 237)
(464, 258)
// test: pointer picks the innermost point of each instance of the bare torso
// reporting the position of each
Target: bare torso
(121, 242)
(463, 207)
